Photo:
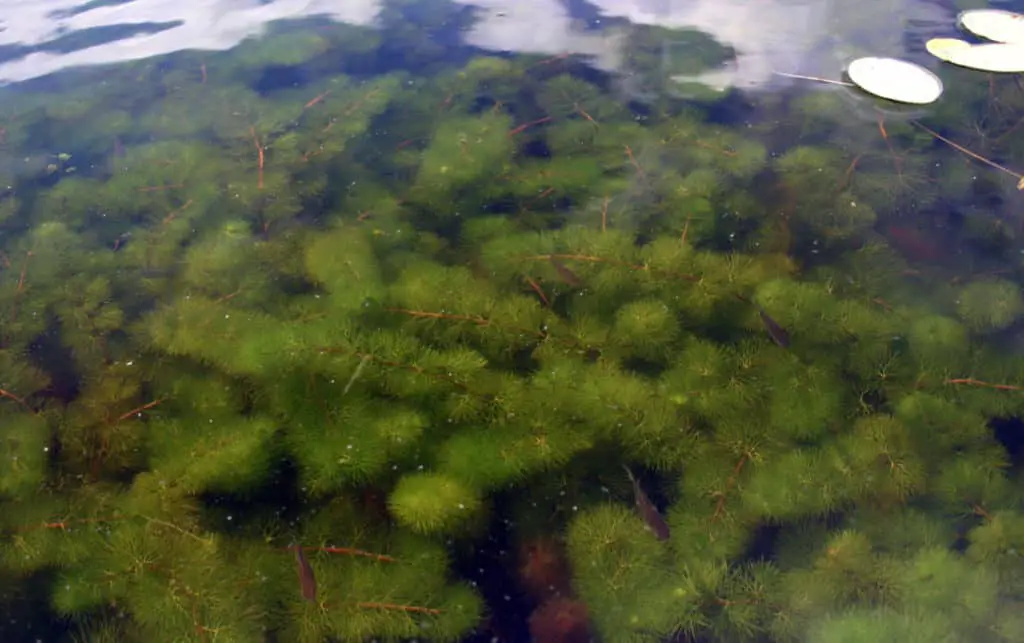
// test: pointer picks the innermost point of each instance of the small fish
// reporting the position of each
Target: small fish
(307, 581)
(568, 276)
(778, 334)
(648, 512)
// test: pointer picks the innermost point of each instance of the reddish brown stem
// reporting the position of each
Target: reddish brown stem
(525, 126)
(980, 511)
(359, 103)
(720, 505)
(173, 213)
(316, 100)
(24, 269)
(632, 159)
(402, 608)
(895, 159)
(259, 156)
(480, 321)
(582, 112)
(594, 259)
(686, 229)
(12, 396)
(974, 382)
(140, 409)
(349, 551)
(537, 289)
(160, 188)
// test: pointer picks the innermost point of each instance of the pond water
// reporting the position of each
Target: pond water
(495, 320)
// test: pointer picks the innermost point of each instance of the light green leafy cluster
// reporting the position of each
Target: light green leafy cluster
(375, 318)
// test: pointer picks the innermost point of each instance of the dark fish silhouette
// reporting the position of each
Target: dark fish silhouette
(648, 512)
(568, 276)
(307, 581)
(778, 334)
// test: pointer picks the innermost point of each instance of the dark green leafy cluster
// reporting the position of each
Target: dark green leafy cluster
(375, 316)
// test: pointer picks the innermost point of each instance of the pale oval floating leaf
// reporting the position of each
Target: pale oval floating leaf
(995, 57)
(941, 47)
(896, 80)
(994, 24)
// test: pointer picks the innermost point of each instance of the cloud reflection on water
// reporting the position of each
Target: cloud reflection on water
(808, 36)
(205, 24)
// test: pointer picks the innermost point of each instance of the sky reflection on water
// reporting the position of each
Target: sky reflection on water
(796, 36)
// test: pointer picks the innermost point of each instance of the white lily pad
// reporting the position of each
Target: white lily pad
(941, 48)
(896, 80)
(994, 24)
(996, 57)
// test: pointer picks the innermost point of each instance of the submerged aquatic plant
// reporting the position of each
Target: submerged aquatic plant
(380, 319)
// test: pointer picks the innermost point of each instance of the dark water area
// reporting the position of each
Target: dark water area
(419, 287)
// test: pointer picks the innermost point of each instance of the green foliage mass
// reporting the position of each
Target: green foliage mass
(377, 317)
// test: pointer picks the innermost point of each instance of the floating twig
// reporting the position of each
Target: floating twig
(977, 157)
(815, 78)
